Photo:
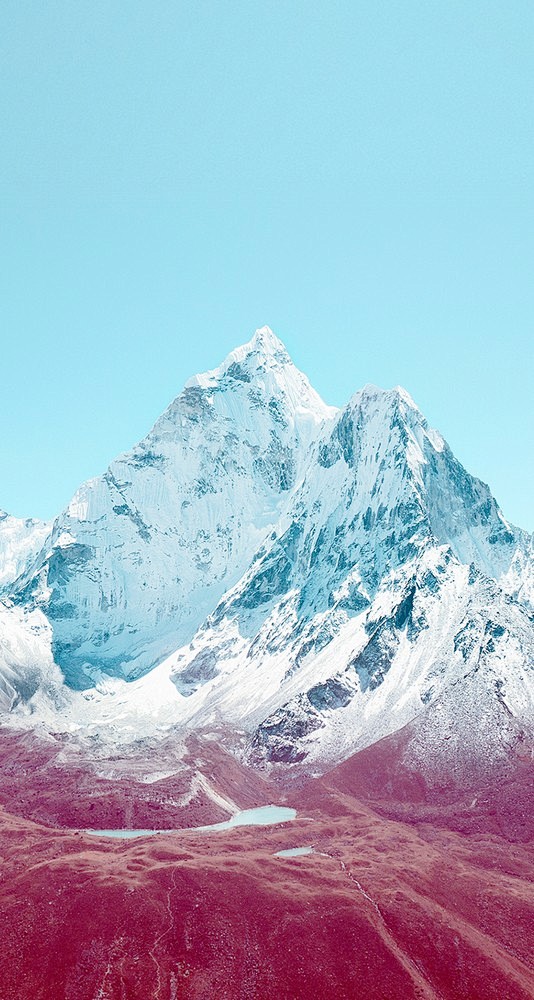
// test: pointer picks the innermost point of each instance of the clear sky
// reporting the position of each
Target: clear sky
(358, 175)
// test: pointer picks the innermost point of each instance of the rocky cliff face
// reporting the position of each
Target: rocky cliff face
(311, 578)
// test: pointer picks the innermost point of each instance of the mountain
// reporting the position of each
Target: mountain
(392, 574)
(268, 600)
(303, 579)
(144, 552)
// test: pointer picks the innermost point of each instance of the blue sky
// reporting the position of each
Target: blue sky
(359, 176)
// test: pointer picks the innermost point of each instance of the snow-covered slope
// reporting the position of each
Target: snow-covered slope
(20, 542)
(308, 579)
(26, 663)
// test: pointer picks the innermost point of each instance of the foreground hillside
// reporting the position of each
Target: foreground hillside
(410, 892)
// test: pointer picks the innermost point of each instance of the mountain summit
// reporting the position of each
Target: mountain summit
(309, 577)
(142, 553)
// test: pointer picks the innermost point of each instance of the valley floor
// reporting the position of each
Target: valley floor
(406, 894)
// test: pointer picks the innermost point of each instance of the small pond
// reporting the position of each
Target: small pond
(294, 852)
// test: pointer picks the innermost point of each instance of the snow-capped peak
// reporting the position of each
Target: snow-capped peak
(263, 351)
(262, 367)
(267, 342)
(370, 393)
(256, 529)
(145, 552)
